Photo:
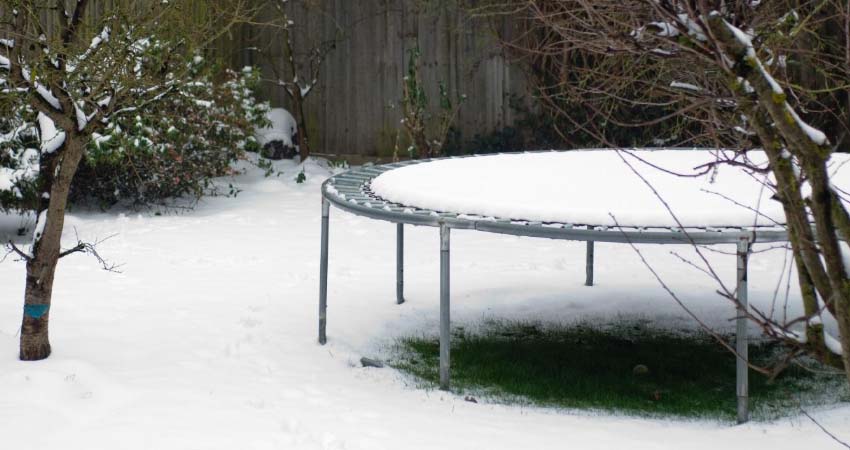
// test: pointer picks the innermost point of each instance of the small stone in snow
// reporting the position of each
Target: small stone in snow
(640, 369)
(368, 362)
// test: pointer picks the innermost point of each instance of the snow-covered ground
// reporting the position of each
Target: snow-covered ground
(207, 339)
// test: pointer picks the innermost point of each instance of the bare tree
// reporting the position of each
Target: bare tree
(303, 59)
(742, 75)
(79, 71)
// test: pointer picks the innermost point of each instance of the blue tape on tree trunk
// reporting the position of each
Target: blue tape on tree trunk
(36, 311)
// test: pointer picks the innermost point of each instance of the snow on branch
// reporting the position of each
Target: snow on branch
(815, 135)
(51, 138)
(42, 90)
(685, 86)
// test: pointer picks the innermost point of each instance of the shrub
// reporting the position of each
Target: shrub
(19, 160)
(175, 148)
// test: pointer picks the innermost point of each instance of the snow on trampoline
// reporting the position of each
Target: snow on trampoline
(597, 187)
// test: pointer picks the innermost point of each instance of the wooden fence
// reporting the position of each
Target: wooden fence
(355, 107)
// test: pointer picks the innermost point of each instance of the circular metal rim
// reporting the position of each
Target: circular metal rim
(350, 191)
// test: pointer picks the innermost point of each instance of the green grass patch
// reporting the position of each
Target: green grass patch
(626, 367)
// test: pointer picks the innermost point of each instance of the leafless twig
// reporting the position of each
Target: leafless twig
(90, 248)
(822, 428)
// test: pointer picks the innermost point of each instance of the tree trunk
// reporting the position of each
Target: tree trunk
(35, 344)
(303, 143)
(820, 252)
(296, 95)
(41, 267)
(842, 316)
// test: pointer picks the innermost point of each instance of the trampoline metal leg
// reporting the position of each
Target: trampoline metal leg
(589, 264)
(323, 274)
(741, 341)
(445, 324)
(399, 258)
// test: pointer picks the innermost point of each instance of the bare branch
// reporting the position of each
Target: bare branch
(14, 249)
(90, 248)
(822, 428)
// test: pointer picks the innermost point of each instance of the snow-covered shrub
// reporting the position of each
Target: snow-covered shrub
(172, 148)
(177, 146)
(19, 160)
(279, 139)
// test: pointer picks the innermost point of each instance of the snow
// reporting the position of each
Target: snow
(744, 131)
(671, 30)
(12, 135)
(82, 118)
(22, 164)
(96, 41)
(307, 88)
(748, 88)
(777, 89)
(40, 223)
(7, 179)
(102, 37)
(694, 29)
(100, 139)
(747, 41)
(51, 137)
(207, 339)
(282, 128)
(5, 63)
(817, 136)
(685, 86)
(833, 344)
(666, 29)
(42, 91)
(27, 169)
(588, 187)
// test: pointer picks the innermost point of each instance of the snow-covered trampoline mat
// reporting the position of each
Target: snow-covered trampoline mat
(607, 188)
(660, 196)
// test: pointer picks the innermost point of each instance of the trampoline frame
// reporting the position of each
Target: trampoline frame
(351, 191)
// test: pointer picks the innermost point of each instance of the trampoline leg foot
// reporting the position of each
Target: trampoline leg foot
(589, 264)
(323, 274)
(445, 330)
(399, 258)
(742, 339)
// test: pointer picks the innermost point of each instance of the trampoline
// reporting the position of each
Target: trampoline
(470, 193)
